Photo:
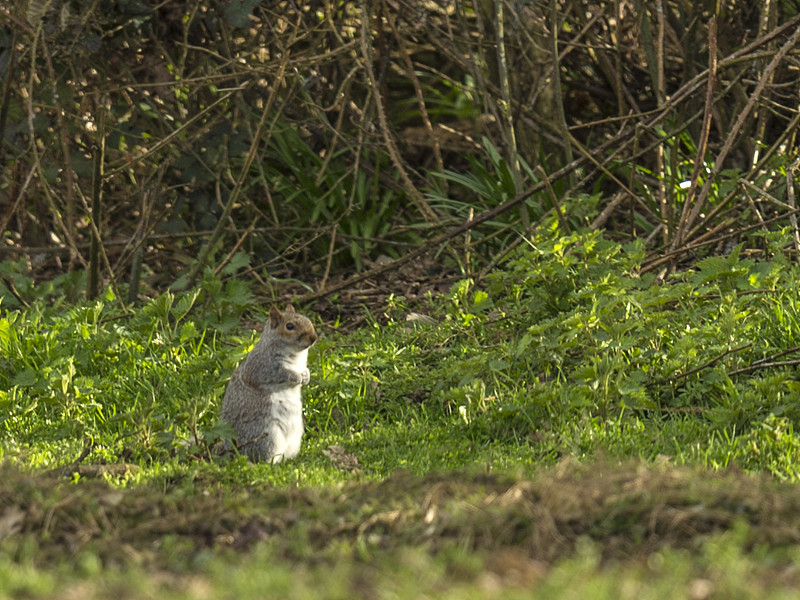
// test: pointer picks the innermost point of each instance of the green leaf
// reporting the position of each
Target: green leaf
(185, 304)
(499, 364)
(25, 378)
(239, 261)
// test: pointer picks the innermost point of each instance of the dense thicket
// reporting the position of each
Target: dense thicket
(317, 137)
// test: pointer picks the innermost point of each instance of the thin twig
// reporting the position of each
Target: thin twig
(700, 161)
(199, 264)
(733, 134)
(557, 92)
(106, 262)
(30, 93)
(129, 161)
(423, 109)
(761, 366)
(706, 365)
(562, 221)
(414, 194)
(698, 243)
(793, 204)
(512, 158)
(236, 247)
(99, 151)
(63, 137)
(776, 356)
(601, 219)
(781, 142)
(766, 195)
(329, 259)
(434, 242)
(13, 289)
(766, 21)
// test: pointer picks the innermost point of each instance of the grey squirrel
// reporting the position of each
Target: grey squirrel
(262, 400)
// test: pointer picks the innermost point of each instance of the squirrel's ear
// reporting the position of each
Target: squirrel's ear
(289, 308)
(274, 317)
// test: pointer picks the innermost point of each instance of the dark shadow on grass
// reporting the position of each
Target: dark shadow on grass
(628, 510)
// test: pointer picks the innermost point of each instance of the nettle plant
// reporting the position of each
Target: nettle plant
(586, 321)
(570, 326)
(570, 331)
(136, 384)
(569, 337)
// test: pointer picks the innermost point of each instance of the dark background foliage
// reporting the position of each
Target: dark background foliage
(306, 141)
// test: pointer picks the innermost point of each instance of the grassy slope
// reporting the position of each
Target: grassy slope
(447, 459)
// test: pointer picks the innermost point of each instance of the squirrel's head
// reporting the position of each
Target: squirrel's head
(292, 327)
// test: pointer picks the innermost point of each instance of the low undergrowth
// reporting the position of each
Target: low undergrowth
(453, 436)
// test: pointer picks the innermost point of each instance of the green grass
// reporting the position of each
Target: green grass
(644, 430)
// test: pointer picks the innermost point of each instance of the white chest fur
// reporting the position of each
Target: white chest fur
(296, 361)
(286, 422)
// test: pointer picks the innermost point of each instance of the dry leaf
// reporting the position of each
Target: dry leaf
(342, 459)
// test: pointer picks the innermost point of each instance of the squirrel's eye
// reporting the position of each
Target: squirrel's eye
(290, 327)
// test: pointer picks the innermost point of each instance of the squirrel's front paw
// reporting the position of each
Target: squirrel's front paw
(305, 377)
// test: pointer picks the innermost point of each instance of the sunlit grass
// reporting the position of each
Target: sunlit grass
(564, 358)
